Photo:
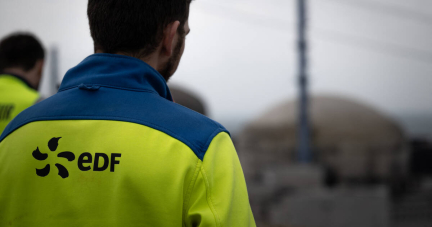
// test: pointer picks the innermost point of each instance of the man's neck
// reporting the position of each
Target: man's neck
(19, 73)
(15, 71)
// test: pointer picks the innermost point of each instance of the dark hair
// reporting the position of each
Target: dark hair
(20, 50)
(133, 26)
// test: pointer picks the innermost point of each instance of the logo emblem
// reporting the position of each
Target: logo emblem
(52, 145)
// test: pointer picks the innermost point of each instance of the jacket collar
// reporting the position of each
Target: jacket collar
(116, 71)
(20, 78)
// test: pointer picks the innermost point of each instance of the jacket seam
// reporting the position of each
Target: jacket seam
(190, 190)
(112, 87)
(211, 137)
(136, 121)
(209, 198)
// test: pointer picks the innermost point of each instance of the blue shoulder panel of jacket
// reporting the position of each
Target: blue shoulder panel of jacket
(145, 107)
(149, 109)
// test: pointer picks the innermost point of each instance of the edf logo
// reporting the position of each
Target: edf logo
(87, 158)
(84, 160)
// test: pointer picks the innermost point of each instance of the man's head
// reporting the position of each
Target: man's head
(22, 54)
(151, 30)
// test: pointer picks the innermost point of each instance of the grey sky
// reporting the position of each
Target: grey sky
(241, 54)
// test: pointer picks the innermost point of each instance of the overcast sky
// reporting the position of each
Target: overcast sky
(241, 56)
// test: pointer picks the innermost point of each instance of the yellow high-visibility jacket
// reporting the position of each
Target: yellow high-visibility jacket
(112, 149)
(16, 95)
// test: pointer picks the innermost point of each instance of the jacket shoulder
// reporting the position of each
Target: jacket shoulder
(192, 128)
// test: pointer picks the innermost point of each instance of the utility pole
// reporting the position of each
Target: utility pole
(304, 152)
(54, 71)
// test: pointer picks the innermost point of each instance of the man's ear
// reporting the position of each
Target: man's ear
(169, 40)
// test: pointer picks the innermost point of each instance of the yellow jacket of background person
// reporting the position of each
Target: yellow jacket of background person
(112, 149)
(16, 95)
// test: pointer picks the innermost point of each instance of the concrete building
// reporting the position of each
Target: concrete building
(354, 147)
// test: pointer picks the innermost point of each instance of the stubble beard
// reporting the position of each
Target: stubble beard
(169, 68)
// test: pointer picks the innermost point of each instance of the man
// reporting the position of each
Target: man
(111, 148)
(21, 64)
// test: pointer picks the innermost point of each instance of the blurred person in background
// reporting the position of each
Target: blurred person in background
(21, 64)
(111, 148)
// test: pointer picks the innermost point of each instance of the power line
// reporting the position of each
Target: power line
(389, 9)
(373, 45)
(250, 18)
